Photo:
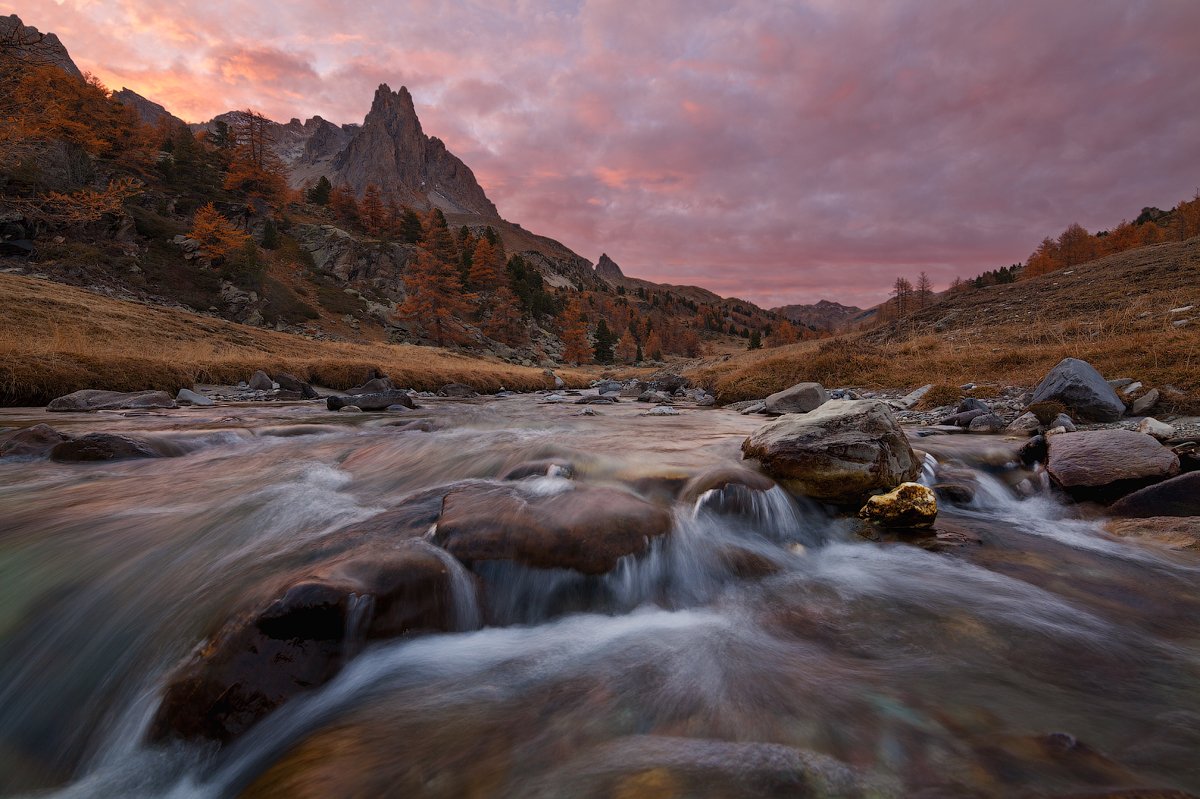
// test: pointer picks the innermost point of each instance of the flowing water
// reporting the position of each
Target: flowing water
(1023, 652)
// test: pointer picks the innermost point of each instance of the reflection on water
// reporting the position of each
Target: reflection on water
(762, 649)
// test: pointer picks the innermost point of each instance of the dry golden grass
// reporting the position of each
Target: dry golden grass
(55, 339)
(1112, 313)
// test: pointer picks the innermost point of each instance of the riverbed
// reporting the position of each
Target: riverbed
(1020, 651)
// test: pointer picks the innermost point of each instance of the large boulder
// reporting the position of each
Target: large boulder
(908, 505)
(90, 399)
(261, 381)
(289, 382)
(1101, 464)
(1077, 385)
(838, 453)
(1179, 496)
(800, 398)
(371, 402)
(299, 635)
(102, 447)
(580, 527)
(32, 442)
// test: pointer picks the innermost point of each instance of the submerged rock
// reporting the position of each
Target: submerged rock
(1077, 385)
(567, 526)
(102, 447)
(800, 398)
(90, 399)
(301, 635)
(1171, 532)
(908, 505)
(32, 442)
(372, 402)
(1100, 463)
(1179, 496)
(838, 453)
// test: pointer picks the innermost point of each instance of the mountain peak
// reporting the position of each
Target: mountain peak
(608, 271)
(37, 47)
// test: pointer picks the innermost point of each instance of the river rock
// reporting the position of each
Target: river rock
(102, 447)
(909, 400)
(670, 383)
(723, 480)
(1152, 427)
(1105, 463)
(598, 399)
(653, 396)
(662, 410)
(969, 404)
(1144, 403)
(580, 527)
(986, 423)
(908, 505)
(188, 397)
(289, 382)
(1063, 422)
(32, 442)
(457, 390)
(1026, 424)
(1171, 532)
(800, 398)
(90, 399)
(261, 381)
(707, 401)
(1033, 451)
(608, 387)
(372, 402)
(300, 635)
(963, 418)
(1077, 385)
(1179, 496)
(838, 453)
(376, 385)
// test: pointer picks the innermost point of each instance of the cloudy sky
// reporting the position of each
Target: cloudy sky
(778, 151)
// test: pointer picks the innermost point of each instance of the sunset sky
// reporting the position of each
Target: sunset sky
(778, 151)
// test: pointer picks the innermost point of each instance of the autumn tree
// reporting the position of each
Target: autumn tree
(653, 348)
(255, 168)
(485, 275)
(1188, 213)
(216, 233)
(627, 349)
(372, 211)
(436, 238)
(1076, 246)
(784, 333)
(506, 323)
(574, 335)
(433, 299)
(1046, 258)
(344, 204)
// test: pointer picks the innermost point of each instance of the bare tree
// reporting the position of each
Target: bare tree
(924, 291)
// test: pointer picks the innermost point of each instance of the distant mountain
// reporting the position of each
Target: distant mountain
(824, 315)
(148, 111)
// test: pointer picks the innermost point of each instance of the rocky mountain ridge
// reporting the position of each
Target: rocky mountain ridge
(825, 315)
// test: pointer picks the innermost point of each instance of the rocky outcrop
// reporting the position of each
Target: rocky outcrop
(608, 271)
(89, 399)
(838, 453)
(1102, 464)
(580, 527)
(350, 260)
(302, 634)
(1179, 496)
(36, 47)
(908, 505)
(800, 398)
(1084, 391)
(393, 152)
(148, 111)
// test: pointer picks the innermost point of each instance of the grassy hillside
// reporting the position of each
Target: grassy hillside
(1114, 312)
(55, 339)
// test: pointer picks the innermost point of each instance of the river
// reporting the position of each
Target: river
(1026, 653)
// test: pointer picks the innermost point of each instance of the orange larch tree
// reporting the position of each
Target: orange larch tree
(506, 323)
(255, 168)
(485, 274)
(574, 333)
(216, 233)
(372, 211)
(434, 299)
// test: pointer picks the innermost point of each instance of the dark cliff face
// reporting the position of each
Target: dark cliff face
(325, 140)
(40, 48)
(393, 152)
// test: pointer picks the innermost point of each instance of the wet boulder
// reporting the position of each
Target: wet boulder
(1169, 532)
(800, 398)
(456, 390)
(299, 635)
(289, 382)
(1078, 386)
(838, 453)
(371, 402)
(32, 442)
(908, 505)
(570, 526)
(1179, 496)
(376, 385)
(726, 489)
(1103, 464)
(90, 399)
(102, 447)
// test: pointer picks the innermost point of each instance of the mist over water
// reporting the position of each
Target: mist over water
(761, 649)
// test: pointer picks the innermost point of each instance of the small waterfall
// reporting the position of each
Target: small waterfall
(929, 469)
(463, 592)
(359, 610)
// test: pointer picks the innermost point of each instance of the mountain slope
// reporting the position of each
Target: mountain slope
(824, 315)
